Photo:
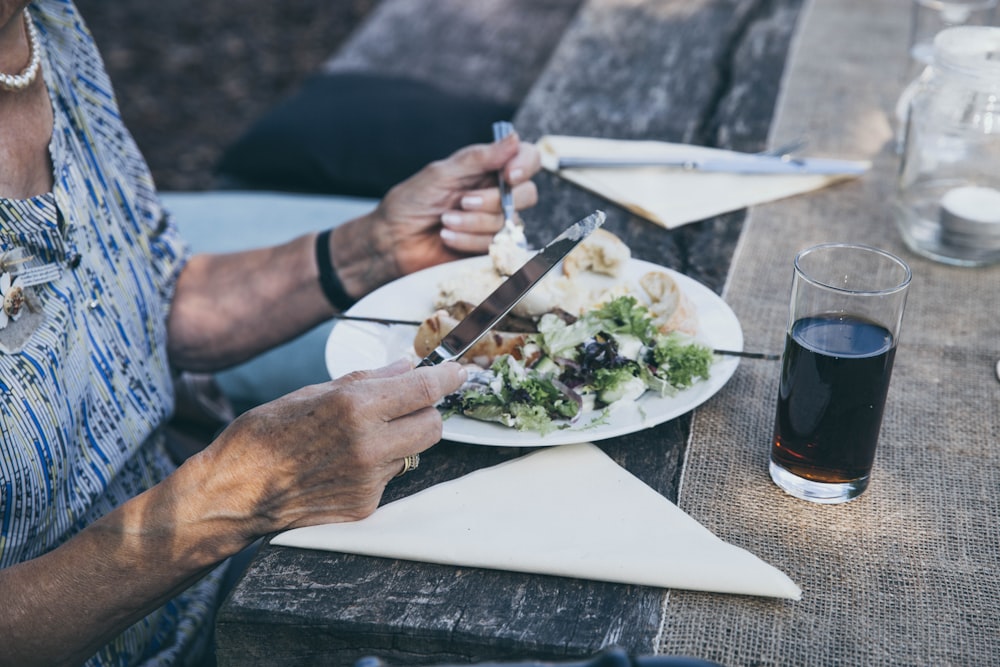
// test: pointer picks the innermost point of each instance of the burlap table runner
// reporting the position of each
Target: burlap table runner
(910, 572)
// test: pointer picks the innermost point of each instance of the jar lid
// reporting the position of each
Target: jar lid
(972, 50)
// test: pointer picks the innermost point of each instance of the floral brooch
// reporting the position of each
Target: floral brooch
(13, 299)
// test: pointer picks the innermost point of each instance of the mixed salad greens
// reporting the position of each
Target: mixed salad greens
(612, 353)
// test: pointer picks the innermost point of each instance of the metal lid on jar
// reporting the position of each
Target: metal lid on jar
(970, 217)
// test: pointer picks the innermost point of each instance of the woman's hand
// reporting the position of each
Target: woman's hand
(448, 210)
(324, 454)
(321, 454)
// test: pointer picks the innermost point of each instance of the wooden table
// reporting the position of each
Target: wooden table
(698, 71)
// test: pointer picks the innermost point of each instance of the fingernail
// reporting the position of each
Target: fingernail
(472, 202)
(448, 235)
(452, 219)
(516, 174)
(463, 374)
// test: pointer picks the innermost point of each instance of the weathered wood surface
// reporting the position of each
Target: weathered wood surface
(489, 49)
(704, 73)
(699, 71)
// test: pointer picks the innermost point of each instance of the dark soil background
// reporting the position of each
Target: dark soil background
(192, 75)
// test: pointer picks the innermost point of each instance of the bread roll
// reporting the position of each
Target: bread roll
(601, 252)
(670, 309)
(470, 286)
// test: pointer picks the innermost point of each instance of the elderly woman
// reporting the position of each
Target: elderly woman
(111, 554)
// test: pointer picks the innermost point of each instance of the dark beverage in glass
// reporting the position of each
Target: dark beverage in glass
(826, 429)
(845, 312)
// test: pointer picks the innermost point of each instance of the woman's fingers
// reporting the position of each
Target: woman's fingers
(485, 158)
(326, 452)
(393, 397)
(488, 199)
(476, 165)
(471, 229)
(397, 367)
(412, 435)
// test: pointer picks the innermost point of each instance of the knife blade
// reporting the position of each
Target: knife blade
(510, 292)
(736, 164)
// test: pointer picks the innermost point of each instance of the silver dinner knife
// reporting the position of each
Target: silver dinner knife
(736, 164)
(496, 306)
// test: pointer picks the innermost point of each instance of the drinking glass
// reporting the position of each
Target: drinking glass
(844, 317)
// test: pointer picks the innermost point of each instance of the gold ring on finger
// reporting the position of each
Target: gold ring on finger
(410, 462)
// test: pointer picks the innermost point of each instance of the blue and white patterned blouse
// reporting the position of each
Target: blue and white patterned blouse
(84, 395)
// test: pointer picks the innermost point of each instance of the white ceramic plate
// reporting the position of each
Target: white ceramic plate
(363, 345)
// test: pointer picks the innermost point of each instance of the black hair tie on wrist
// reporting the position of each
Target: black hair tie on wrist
(328, 279)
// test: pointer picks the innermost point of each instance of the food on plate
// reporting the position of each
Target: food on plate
(578, 287)
(669, 307)
(601, 252)
(582, 340)
(507, 254)
(495, 343)
(610, 354)
(506, 338)
(568, 295)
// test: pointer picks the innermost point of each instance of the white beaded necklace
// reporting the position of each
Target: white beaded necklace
(15, 82)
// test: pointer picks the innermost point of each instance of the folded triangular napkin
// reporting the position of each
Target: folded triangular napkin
(670, 197)
(568, 511)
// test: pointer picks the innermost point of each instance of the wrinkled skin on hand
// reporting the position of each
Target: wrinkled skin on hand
(325, 453)
(448, 210)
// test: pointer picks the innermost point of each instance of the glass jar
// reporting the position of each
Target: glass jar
(947, 203)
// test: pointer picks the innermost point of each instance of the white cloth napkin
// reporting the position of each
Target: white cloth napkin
(670, 197)
(568, 511)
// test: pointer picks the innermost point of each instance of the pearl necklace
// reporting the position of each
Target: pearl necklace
(16, 82)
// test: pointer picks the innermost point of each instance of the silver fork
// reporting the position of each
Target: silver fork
(502, 129)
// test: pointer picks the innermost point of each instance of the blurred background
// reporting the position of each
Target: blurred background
(191, 76)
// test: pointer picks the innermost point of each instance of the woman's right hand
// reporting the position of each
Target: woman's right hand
(321, 454)
(325, 453)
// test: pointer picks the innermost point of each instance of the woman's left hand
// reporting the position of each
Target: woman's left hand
(448, 210)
